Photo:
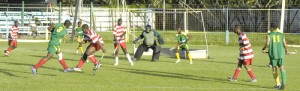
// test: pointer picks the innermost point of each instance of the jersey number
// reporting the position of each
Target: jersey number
(59, 29)
(276, 38)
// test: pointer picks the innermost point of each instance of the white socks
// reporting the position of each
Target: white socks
(117, 61)
(129, 59)
(60, 56)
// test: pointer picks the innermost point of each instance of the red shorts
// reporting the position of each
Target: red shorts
(246, 61)
(13, 43)
(122, 45)
(96, 46)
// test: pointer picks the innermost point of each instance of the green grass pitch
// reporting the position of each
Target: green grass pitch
(165, 75)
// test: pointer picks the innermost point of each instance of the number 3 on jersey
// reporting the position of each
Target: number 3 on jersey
(276, 38)
(59, 29)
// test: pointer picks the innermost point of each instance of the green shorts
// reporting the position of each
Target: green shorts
(53, 49)
(277, 62)
(184, 47)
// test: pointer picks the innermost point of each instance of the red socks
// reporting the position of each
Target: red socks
(80, 64)
(250, 72)
(93, 59)
(63, 63)
(237, 72)
(40, 63)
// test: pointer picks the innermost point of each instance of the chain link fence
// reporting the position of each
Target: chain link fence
(255, 22)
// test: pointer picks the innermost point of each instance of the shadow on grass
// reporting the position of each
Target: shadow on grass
(29, 66)
(184, 76)
(9, 73)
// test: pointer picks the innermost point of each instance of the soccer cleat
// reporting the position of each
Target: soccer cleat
(282, 87)
(191, 62)
(131, 63)
(5, 53)
(232, 79)
(277, 86)
(87, 61)
(269, 65)
(34, 71)
(77, 69)
(177, 61)
(253, 80)
(116, 64)
(68, 70)
(97, 66)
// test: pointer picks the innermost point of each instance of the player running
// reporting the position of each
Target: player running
(119, 41)
(58, 32)
(277, 47)
(12, 38)
(96, 43)
(79, 34)
(182, 44)
(246, 55)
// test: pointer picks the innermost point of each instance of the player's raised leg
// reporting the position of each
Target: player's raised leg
(41, 63)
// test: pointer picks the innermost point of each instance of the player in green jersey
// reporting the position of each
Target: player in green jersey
(80, 35)
(182, 38)
(277, 49)
(58, 32)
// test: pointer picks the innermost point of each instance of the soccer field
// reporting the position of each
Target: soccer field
(165, 75)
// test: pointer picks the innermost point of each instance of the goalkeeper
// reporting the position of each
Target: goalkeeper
(182, 44)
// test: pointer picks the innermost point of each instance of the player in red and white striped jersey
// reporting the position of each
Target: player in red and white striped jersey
(119, 41)
(96, 43)
(12, 38)
(246, 55)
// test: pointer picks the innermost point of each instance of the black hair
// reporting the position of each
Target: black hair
(84, 26)
(274, 25)
(67, 22)
(120, 19)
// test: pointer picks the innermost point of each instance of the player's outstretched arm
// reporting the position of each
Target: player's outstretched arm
(266, 44)
(285, 45)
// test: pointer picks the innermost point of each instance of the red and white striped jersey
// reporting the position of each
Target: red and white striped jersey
(14, 30)
(118, 31)
(244, 43)
(92, 37)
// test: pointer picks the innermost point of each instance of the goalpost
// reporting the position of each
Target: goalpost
(139, 18)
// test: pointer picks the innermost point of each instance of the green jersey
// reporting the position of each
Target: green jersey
(182, 38)
(276, 47)
(79, 32)
(58, 33)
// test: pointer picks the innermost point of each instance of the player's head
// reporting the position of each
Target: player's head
(16, 22)
(85, 27)
(120, 22)
(179, 30)
(274, 26)
(67, 23)
(237, 29)
(79, 23)
(148, 28)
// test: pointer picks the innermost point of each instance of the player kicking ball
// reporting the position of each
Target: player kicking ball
(277, 47)
(182, 44)
(58, 32)
(119, 41)
(246, 55)
(96, 43)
